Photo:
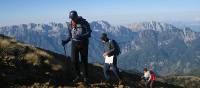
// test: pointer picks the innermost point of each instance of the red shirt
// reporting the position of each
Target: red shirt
(153, 76)
(73, 23)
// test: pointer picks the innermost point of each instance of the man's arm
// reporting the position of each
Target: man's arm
(149, 76)
(68, 37)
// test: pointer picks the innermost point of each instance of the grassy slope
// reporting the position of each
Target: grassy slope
(184, 81)
(23, 65)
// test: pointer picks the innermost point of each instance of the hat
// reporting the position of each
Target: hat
(103, 36)
(73, 14)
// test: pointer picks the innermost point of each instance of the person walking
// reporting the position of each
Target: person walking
(112, 51)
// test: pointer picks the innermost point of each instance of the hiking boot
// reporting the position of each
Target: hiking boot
(85, 80)
(76, 79)
(107, 82)
(120, 82)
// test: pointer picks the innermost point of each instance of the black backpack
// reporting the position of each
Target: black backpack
(85, 27)
(117, 50)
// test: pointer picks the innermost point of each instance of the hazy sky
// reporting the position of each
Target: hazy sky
(114, 11)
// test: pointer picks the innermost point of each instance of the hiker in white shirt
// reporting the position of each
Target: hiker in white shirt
(146, 77)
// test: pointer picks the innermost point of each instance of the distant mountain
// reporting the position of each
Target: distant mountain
(153, 25)
(194, 25)
(169, 49)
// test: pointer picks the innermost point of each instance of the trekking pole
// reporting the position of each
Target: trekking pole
(65, 54)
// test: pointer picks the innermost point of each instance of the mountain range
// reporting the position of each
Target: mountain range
(168, 49)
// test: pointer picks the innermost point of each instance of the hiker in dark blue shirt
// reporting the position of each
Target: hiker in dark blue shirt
(79, 34)
(111, 52)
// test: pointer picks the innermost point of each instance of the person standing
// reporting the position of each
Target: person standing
(79, 34)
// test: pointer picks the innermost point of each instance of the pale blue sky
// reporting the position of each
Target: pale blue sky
(114, 11)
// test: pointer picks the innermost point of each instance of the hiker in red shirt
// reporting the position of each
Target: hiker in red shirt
(153, 79)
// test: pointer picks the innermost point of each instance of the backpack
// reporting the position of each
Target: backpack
(82, 27)
(117, 50)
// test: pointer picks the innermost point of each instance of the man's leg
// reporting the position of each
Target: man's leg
(105, 70)
(146, 82)
(84, 58)
(152, 84)
(114, 69)
(75, 61)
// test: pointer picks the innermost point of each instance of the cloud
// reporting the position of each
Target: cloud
(197, 19)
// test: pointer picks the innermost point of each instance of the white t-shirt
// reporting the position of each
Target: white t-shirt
(147, 74)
